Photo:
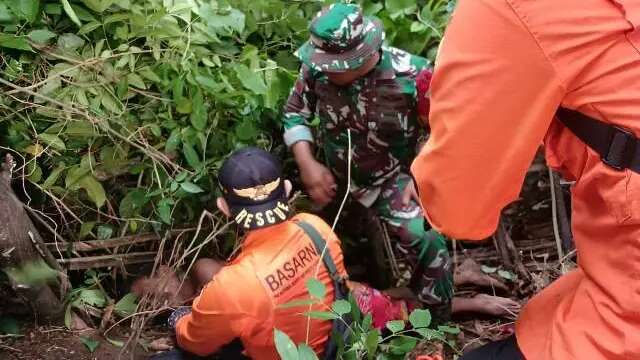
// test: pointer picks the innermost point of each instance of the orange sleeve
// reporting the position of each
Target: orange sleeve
(493, 97)
(216, 318)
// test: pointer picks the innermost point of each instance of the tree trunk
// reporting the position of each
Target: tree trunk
(18, 239)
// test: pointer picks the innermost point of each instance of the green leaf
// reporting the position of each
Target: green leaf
(127, 305)
(70, 12)
(164, 210)
(53, 9)
(98, 5)
(191, 187)
(25, 9)
(222, 24)
(209, 83)
(73, 177)
(116, 343)
(136, 80)
(6, 16)
(453, 330)
(41, 36)
(132, 203)
(420, 318)
(52, 140)
(430, 334)
(246, 130)
(321, 315)
(182, 176)
(86, 228)
(366, 322)
(341, 307)
(398, 5)
(34, 273)
(14, 42)
(148, 74)
(488, 270)
(54, 176)
(402, 345)
(297, 303)
(174, 140)
(70, 41)
(371, 343)
(110, 103)
(306, 353)
(94, 190)
(371, 8)
(286, 348)
(116, 18)
(417, 26)
(251, 80)
(183, 106)
(34, 172)
(316, 288)
(104, 232)
(89, 27)
(191, 155)
(395, 326)
(508, 275)
(82, 129)
(93, 297)
(199, 113)
(91, 344)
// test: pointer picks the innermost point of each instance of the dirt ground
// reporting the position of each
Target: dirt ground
(58, 343)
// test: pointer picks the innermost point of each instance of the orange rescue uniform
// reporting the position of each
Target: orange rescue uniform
(242, 299)
(503, 69)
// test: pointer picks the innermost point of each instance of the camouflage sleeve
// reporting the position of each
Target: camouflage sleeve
(300, 109)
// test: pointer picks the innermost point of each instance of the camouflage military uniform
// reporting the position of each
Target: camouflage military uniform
(379, 108)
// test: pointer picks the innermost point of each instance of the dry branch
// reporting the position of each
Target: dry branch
(91, 262)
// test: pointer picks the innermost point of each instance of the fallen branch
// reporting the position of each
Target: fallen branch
(92, 245)
(91, 262)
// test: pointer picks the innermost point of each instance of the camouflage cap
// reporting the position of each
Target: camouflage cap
(341, 39)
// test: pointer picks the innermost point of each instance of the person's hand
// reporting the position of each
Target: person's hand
(319, 182)
(409, 193)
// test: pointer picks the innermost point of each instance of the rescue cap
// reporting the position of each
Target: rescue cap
(252, 184)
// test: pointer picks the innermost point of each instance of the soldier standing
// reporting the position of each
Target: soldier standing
(350, 81)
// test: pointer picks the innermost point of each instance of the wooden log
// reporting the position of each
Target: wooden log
(20, 239)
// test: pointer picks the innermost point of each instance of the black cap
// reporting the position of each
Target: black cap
(252, 184)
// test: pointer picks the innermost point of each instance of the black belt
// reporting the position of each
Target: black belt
(618, 148)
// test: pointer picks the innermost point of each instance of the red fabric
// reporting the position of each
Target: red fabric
(423, 83)
(381, 307)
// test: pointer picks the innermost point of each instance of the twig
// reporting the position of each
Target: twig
(554, 215)
(56, 236)
(392, 257)
(335, 222)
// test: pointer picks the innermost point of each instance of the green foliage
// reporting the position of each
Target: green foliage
(124, 97)
(91, 299)
(32, 273)
(89, 343)
(127, 305)
(364, 342)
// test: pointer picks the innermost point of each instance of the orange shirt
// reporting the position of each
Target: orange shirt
(503, 69)
(242, 299)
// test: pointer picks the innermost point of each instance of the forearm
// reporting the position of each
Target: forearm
(303, 153)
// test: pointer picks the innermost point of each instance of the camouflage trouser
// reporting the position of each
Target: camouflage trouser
(422, 257)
